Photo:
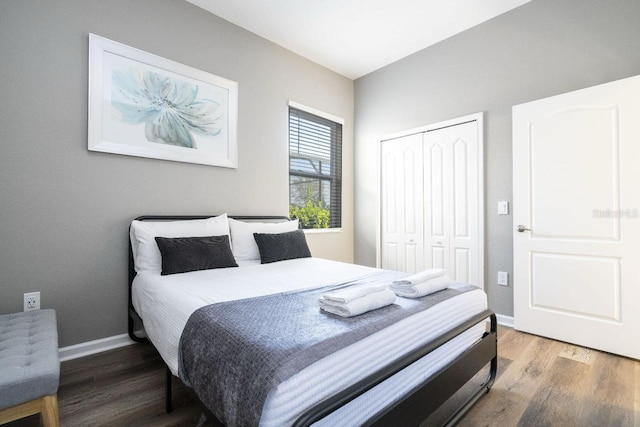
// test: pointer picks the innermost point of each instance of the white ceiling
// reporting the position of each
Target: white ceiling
(356, 37)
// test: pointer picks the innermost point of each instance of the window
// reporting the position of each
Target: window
(315, 169)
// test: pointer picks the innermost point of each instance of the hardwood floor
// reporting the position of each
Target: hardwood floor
(540, 382)
(543, 382)
(123, 387)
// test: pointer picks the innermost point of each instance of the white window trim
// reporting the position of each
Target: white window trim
(317, 112)
(321, 230)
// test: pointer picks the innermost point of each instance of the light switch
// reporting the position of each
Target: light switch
(503, 207)
(503, 278)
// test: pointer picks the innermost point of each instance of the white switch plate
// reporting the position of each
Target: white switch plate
(503, 207)
(503, 278)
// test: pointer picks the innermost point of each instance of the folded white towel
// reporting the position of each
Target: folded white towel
(423, 288)
(432, 273)
(351, 293)
(359, 305)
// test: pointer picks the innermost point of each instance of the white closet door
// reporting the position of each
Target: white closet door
(402, 229)
(431, 200)
(451, 201)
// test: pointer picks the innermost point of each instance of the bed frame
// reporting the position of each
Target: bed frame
(414, 407)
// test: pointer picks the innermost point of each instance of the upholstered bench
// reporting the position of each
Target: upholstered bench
(29, 366)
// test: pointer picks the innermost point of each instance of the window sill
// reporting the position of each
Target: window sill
(321, 230)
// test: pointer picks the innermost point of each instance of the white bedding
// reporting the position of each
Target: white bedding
(166, 302)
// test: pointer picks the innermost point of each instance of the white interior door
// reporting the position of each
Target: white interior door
(576, 172)
(452, 201)
(401, 194)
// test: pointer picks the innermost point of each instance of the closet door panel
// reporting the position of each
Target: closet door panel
(434, 204)
(402, 207)
(437, 194)
(460, 188)
(391, 259)
(462, 265)
(464, 241)
(451, 201)
(438, 254)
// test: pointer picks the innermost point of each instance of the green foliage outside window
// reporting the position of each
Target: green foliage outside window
(311, 215)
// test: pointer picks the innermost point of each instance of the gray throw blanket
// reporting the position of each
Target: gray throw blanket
(233, 353)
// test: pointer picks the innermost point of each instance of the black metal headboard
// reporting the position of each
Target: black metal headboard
(133, 315)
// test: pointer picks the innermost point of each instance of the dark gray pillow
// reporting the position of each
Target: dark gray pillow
(183, 254)
(282, 246)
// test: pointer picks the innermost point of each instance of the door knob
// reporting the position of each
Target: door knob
(522, 228)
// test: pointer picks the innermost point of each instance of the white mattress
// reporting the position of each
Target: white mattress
(166, 302)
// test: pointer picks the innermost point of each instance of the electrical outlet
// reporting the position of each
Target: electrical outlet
(32, 301)
(503, 278)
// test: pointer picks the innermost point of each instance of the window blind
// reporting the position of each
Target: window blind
(315, 164)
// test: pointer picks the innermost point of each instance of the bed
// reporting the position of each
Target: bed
(397, 375)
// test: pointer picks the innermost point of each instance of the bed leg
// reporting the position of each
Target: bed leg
(132, 334)
(494, 362)
(168, 407)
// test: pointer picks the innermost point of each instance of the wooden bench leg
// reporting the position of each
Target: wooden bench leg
(50, 416)
(46, 406)
(20, 411)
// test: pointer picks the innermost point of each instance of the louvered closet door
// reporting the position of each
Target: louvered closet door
(451, 201)
(402, 242)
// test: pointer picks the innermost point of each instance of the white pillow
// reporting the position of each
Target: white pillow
(146, 254)
(243, 244)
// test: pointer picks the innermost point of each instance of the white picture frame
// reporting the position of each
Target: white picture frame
(144, 105)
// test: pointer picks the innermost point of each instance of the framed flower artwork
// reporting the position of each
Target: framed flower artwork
(144, 105)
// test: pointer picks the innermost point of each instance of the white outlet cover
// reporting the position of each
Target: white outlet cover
(31, 301)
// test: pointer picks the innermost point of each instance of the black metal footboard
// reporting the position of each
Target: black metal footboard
(426, 398)
(423, 401)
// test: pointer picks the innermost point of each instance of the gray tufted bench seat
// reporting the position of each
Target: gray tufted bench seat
(29, 366)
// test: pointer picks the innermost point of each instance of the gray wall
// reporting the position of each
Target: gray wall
(64, 211)
(543, 48)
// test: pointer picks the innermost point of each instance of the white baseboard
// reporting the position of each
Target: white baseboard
(92, 347)
(505, 320)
